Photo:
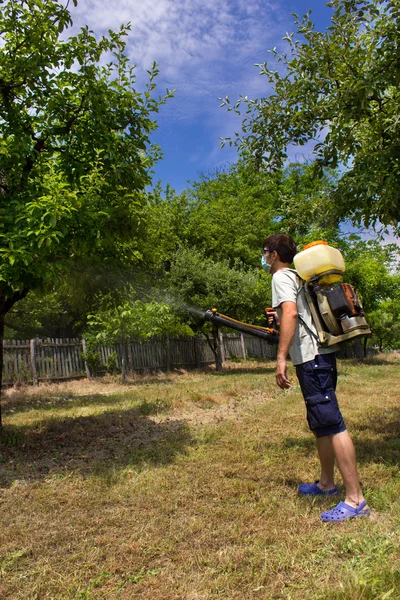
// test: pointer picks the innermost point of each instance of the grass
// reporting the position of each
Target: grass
(182, 486)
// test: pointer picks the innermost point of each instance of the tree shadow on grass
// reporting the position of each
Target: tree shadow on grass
(70, 401)
(385, 446)
(244, 371)
(93, 445)
(53, 398)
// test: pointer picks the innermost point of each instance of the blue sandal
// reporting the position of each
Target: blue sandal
(344, 512)
(312, 489)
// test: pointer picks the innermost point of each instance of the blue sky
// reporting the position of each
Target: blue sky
(205, 49)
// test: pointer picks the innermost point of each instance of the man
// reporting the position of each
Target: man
(317, 375)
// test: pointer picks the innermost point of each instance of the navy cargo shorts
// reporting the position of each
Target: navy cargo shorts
(317, 380)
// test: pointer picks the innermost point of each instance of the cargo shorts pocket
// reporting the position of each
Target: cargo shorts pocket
(323, 410)
(326, 377)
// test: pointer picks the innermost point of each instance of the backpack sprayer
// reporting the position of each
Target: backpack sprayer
(336, 310)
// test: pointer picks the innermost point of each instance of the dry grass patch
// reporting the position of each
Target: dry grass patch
(186, 489)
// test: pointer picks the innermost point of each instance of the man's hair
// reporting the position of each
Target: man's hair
(283, 244)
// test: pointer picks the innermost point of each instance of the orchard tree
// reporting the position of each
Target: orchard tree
(165, 217)
(197, 283)
(228, 214)
(134, 319)
(385, 325)
(75, 152)
(374, 270)
(338, 91)
(303, 206)
(61, 311)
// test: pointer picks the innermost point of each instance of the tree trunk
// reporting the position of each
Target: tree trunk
(358, 349)
(365, 347)
(214, 346)
(5, 305)
(217, 348)
(1, 359)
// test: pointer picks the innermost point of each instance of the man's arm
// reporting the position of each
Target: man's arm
(287, 328)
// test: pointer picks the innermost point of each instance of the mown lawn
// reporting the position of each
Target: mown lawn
(183, 486)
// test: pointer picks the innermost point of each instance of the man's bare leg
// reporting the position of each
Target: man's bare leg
(326, 458)
(345, 455)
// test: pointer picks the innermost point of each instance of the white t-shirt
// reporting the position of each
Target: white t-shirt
(288, 287)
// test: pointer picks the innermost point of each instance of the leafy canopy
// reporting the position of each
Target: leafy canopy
(337, 90)
(75, 149)
(201, 282)
(133, 319)
(228, 214)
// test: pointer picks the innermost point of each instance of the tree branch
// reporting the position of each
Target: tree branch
(7, 303)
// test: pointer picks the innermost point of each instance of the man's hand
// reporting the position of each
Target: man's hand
(272, 318)
(281, 374)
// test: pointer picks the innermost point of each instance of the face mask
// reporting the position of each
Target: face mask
(265, 266)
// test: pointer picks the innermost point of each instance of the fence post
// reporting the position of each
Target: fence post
(197, 352)
(168, 344)
(86, 362)
(243, 346)
(123, 366)
(130, 357)
(221, 341)
(33, 362)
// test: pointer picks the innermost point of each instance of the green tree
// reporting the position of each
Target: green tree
(165, 216)
(339, 91)
(61, 311)
(133, 319)
(197, 283)
(374, 271)
(385, 325)
(304, 208)
(75, 149)
(227, 215)
(50, 315)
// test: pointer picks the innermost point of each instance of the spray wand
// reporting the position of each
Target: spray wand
(266, 333)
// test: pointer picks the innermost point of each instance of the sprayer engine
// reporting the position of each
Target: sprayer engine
(337, 311)
(341, 309)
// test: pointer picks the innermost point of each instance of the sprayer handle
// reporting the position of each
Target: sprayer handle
(272, 317)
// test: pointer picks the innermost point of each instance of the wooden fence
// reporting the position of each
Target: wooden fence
(57, 359)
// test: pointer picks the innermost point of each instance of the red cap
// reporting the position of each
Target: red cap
(317, 243)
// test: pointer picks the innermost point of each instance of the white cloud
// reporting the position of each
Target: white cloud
(205, 49)
(197, 43)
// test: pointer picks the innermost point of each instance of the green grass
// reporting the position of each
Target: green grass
(183, 486)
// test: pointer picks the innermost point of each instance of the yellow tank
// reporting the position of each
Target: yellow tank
(317, 258)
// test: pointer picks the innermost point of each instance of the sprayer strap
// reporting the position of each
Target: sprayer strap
(310, 331)
(302, 283)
